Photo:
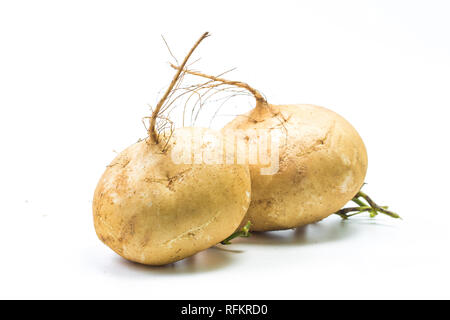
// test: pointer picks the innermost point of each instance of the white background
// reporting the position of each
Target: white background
(76, 77)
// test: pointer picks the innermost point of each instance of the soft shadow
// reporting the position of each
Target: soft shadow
(374, 222)
(226, 249)
(315, 233)
(332, 229)
(204, 261)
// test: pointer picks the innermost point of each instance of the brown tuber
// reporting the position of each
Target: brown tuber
(153, 210)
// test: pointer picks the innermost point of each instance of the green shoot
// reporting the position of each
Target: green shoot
(244, 232)
(368, 206)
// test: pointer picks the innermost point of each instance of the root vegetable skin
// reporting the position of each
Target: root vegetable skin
(323, 163)
(152, 211)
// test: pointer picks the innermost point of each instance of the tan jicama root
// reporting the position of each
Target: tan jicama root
(153, 210)
(322, 164)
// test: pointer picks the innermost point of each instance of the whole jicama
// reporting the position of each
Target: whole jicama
(322, 165)
(151, 208)
(322, 162)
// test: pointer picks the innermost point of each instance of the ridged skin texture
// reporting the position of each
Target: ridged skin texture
(152, 211)
(322, 165)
